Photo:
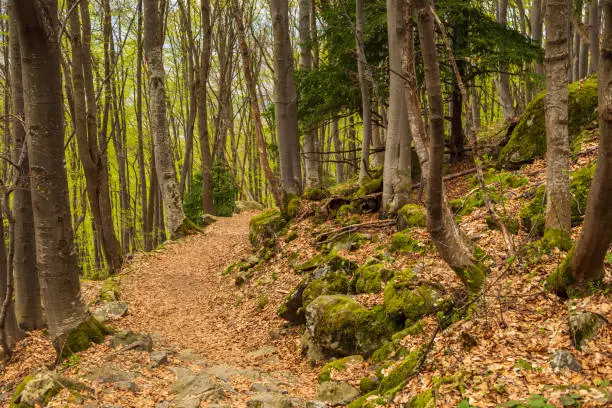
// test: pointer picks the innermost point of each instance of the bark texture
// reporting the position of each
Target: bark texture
(366, 105)
(207, 202)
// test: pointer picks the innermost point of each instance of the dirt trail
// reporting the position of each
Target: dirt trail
(180, 293)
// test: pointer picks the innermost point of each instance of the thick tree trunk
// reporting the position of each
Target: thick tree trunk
(285, 104)
(207, 202)
(86, 129)
(397, 180)
(448, 240)
(596, 233)
(558, 216)
(27, 290)
(366, 108)
(57, 264)
(166, 175)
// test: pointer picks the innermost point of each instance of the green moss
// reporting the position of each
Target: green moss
(332, 260)
(384, 352)
(331, 284)
(368, 384)
(472, 276)
(370, 400)
(186, 228)
(423, 400)
(532, 215)
(370, 277)
(556, 238)
(528, 140)
(560, 280)
(110, 290)
(405, 301)
(291, 236)
(265, 226)
(315, 194)
(411, 215)
(80, 338)
(401, 373)
(348, 241)
(404, 243)
(291, 206)
(369, 186)
(337, 365)
(15, 403)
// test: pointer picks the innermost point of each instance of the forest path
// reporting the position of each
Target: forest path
(180, 295)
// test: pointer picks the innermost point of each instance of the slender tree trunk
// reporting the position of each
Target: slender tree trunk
(27, 290)
(449, 241)
(397, 178)
(207, 202)
(364, 166)
(576, 56)
(536, 29)
(146, 225)
(505, 96)
(166, 175)
(57, 263)
(594, 36)
(285, 103)
(558, 215)
(583, 64)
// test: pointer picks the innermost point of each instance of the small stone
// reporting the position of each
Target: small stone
(158, 358)
(163, 404)
(260, 388)
(135, 341)
(337, 393)
(269, 400)
(563, 358)
(111, 311)
(127, 386)
(208, 219)
(42, 387)
(315, 404)
(109, 374)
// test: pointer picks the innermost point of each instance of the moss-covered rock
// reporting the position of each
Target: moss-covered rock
(406, 301)
(80, 338)
(332, 260)
(369, 185)
(368, 384)
(370, 278)
(556, 238)
(339, 326)
(292, 207)
(336, 393)
(528, 140)
(110, 291)
(315, 194)
(411, 215)
(584, 325)
(404, 243)
(38, 389)
(265, 226)
(349, 241)
(423, 400)
(332, 283)
(338, 365)
(400, 373)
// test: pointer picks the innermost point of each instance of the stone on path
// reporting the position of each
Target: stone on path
(136, 341)
(110, 374)
(337, 393)
(158, 358)
(562, 359)
(41, 387)
(270, 400)
(584, 326)
(110, 311)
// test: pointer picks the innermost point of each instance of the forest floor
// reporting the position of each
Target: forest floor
(226, 345)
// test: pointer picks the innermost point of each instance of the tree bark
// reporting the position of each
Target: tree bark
(285, 104)
(594, 36)
(207, 202)
(366, 108)
(38, 24)
(397, 180)
(558, 215)
(27, 290)
(448, 240)
(583, 63)
(505, 96)
(166, 175)
(536, 29)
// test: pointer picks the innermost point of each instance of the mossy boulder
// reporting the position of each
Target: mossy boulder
(332, 260)
(315, 194)
(406, 300)
(338, 365)
(400, 373)
(291, 209)
(330, 276)
(370, 278)
(339, 326)
(404, 243)
(38, 389)
(528, 140)
(80, 338)
(369, 185)
(136, 341)
(241, 206)
(265, 226)
(349, 241)
(336, 393)
(411, 215)
(584, 325)
(110, 291)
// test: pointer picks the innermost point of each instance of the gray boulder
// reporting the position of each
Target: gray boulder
(158, 358)
(584, 326)
(247, 206)
(110, 374)
(39, 389)
(337, 393)
(270, 400)
(208, 219)
(111, 311)
(134, 341)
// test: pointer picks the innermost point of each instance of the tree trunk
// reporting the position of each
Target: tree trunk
(448, 240)
(207, 201)
(594, 36)
(536, 29)
(583, 64)
(558, 216)
(57, 263)
(166, 175)
(505, 96)
(285, 104)
(364, 166)
(27, 290)
(596, 234)
(397, 180)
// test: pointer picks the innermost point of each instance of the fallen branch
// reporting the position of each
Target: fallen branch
(355, 227)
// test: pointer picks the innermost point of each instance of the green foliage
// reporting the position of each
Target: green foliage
(404, 243)
(224, 194)
(534, 401)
